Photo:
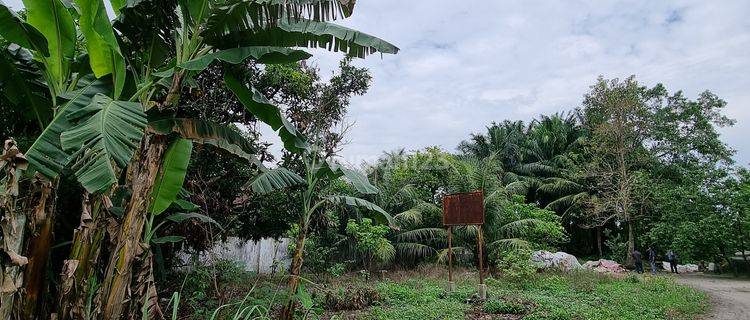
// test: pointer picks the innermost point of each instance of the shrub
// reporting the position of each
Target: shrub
(516, 265)
(370, 241)
(618, 248)
(336, 270)
(318, 254)
(349, 298)
(198, 293)
(504, 307)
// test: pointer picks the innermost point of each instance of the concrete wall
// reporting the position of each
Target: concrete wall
(263, 256)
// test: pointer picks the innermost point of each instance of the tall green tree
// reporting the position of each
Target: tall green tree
(616, 116)
(692, 174)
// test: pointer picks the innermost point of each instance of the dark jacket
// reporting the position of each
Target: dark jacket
(636, 255)
(671, 256)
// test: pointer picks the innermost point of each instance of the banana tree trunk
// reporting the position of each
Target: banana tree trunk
(11, 279)
(78, 270)
(296, 269)
(119, 274)
(12, 224)
(41, 223)
(144, 287)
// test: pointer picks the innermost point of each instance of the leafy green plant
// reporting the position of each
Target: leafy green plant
(617, 248)
(516, 265)
(337, 269)
(370, 240)
(350, 297)
(319, 171)
(504, 307)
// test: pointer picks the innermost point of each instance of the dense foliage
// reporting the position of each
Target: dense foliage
(116, 104)
(125, 138)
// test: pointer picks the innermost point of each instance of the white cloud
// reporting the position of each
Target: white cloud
(464, 64)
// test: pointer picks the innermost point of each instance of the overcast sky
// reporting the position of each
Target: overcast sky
(464, 64)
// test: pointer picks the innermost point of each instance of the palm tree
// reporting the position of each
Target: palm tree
(540, 160)
(421, 236)
(319, 171)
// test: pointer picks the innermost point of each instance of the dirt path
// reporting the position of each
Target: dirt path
(730, 297)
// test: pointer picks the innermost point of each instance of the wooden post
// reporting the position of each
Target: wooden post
(450, 254)
(480, 242)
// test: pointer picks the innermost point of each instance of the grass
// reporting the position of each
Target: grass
(419, 294)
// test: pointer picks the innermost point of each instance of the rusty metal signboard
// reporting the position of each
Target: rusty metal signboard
(463, 209)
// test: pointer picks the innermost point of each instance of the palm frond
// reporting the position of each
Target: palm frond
(536, 169)
(470, 231)
(377, 213)
(458, 252)
(518, 187)
(414, 250)
(566, 202)
(385, 252)
(422, 235)
(407, 194)
(559, 186)
(275, 179)
(409, 217)
(516, 227)
(509, 244)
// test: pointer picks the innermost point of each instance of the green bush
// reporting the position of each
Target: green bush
(336, 270)
(504, 307)
(350, 298)
(198, 292)
(370, 241)
(318, 254)
(516, 265)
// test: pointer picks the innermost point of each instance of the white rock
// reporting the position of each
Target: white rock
(604, 266)
(684, 268)
(687, 268)
(558, 260)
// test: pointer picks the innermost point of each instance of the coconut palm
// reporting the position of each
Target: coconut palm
(539, 160)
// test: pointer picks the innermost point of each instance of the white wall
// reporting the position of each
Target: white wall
(264, 256)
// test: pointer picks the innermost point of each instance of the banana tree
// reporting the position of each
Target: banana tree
(138, 66)
(319, 172)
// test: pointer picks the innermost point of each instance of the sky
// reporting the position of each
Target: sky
(464, 64)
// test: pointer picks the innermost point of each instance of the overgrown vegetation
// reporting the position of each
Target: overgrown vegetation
(419, 293)
(106, 108)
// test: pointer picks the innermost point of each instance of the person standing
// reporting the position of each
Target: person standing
(652, 259)
(638, 262)
(672, 258)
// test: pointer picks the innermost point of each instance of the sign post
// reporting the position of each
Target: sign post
(451, 285)
(464, 209)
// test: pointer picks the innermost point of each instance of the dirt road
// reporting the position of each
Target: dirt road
(730, 297)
